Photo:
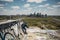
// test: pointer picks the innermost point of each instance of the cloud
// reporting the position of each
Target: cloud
(56, 6)
(1, 5)
(15, 7)
(50, 7)
(27, 5)
(46, 5)
(7, 0)
(9, 12)
(29, 8)
(58, 3)
(36, 1)
(54, 12)
(26, 11)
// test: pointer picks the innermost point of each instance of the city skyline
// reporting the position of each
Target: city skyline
(13, 7)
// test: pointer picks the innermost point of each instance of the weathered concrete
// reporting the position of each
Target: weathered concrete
(38, 34)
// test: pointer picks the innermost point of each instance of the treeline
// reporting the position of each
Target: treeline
(38, 15)
(8, 17)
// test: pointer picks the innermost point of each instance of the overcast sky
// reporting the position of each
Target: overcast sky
(13, 7)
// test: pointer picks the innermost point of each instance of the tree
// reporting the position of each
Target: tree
(45, 15)
(40, 15)
(37, 14)
(34, 14)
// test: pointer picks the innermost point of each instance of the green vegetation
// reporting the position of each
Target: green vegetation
(5, 17)
(48, 22)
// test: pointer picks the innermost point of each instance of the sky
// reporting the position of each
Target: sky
(14, 7)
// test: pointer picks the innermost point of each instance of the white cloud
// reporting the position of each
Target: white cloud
(9, 12)
(37, 1)
(56, 6)
(50, 7)
(46, 5)
(15, 7)
(58, 3)
(7, 0)
(27, 11)
(14, 11)
(27, 5)
(29, 8)
(53, 12)
(1, 5)
(41, 6)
